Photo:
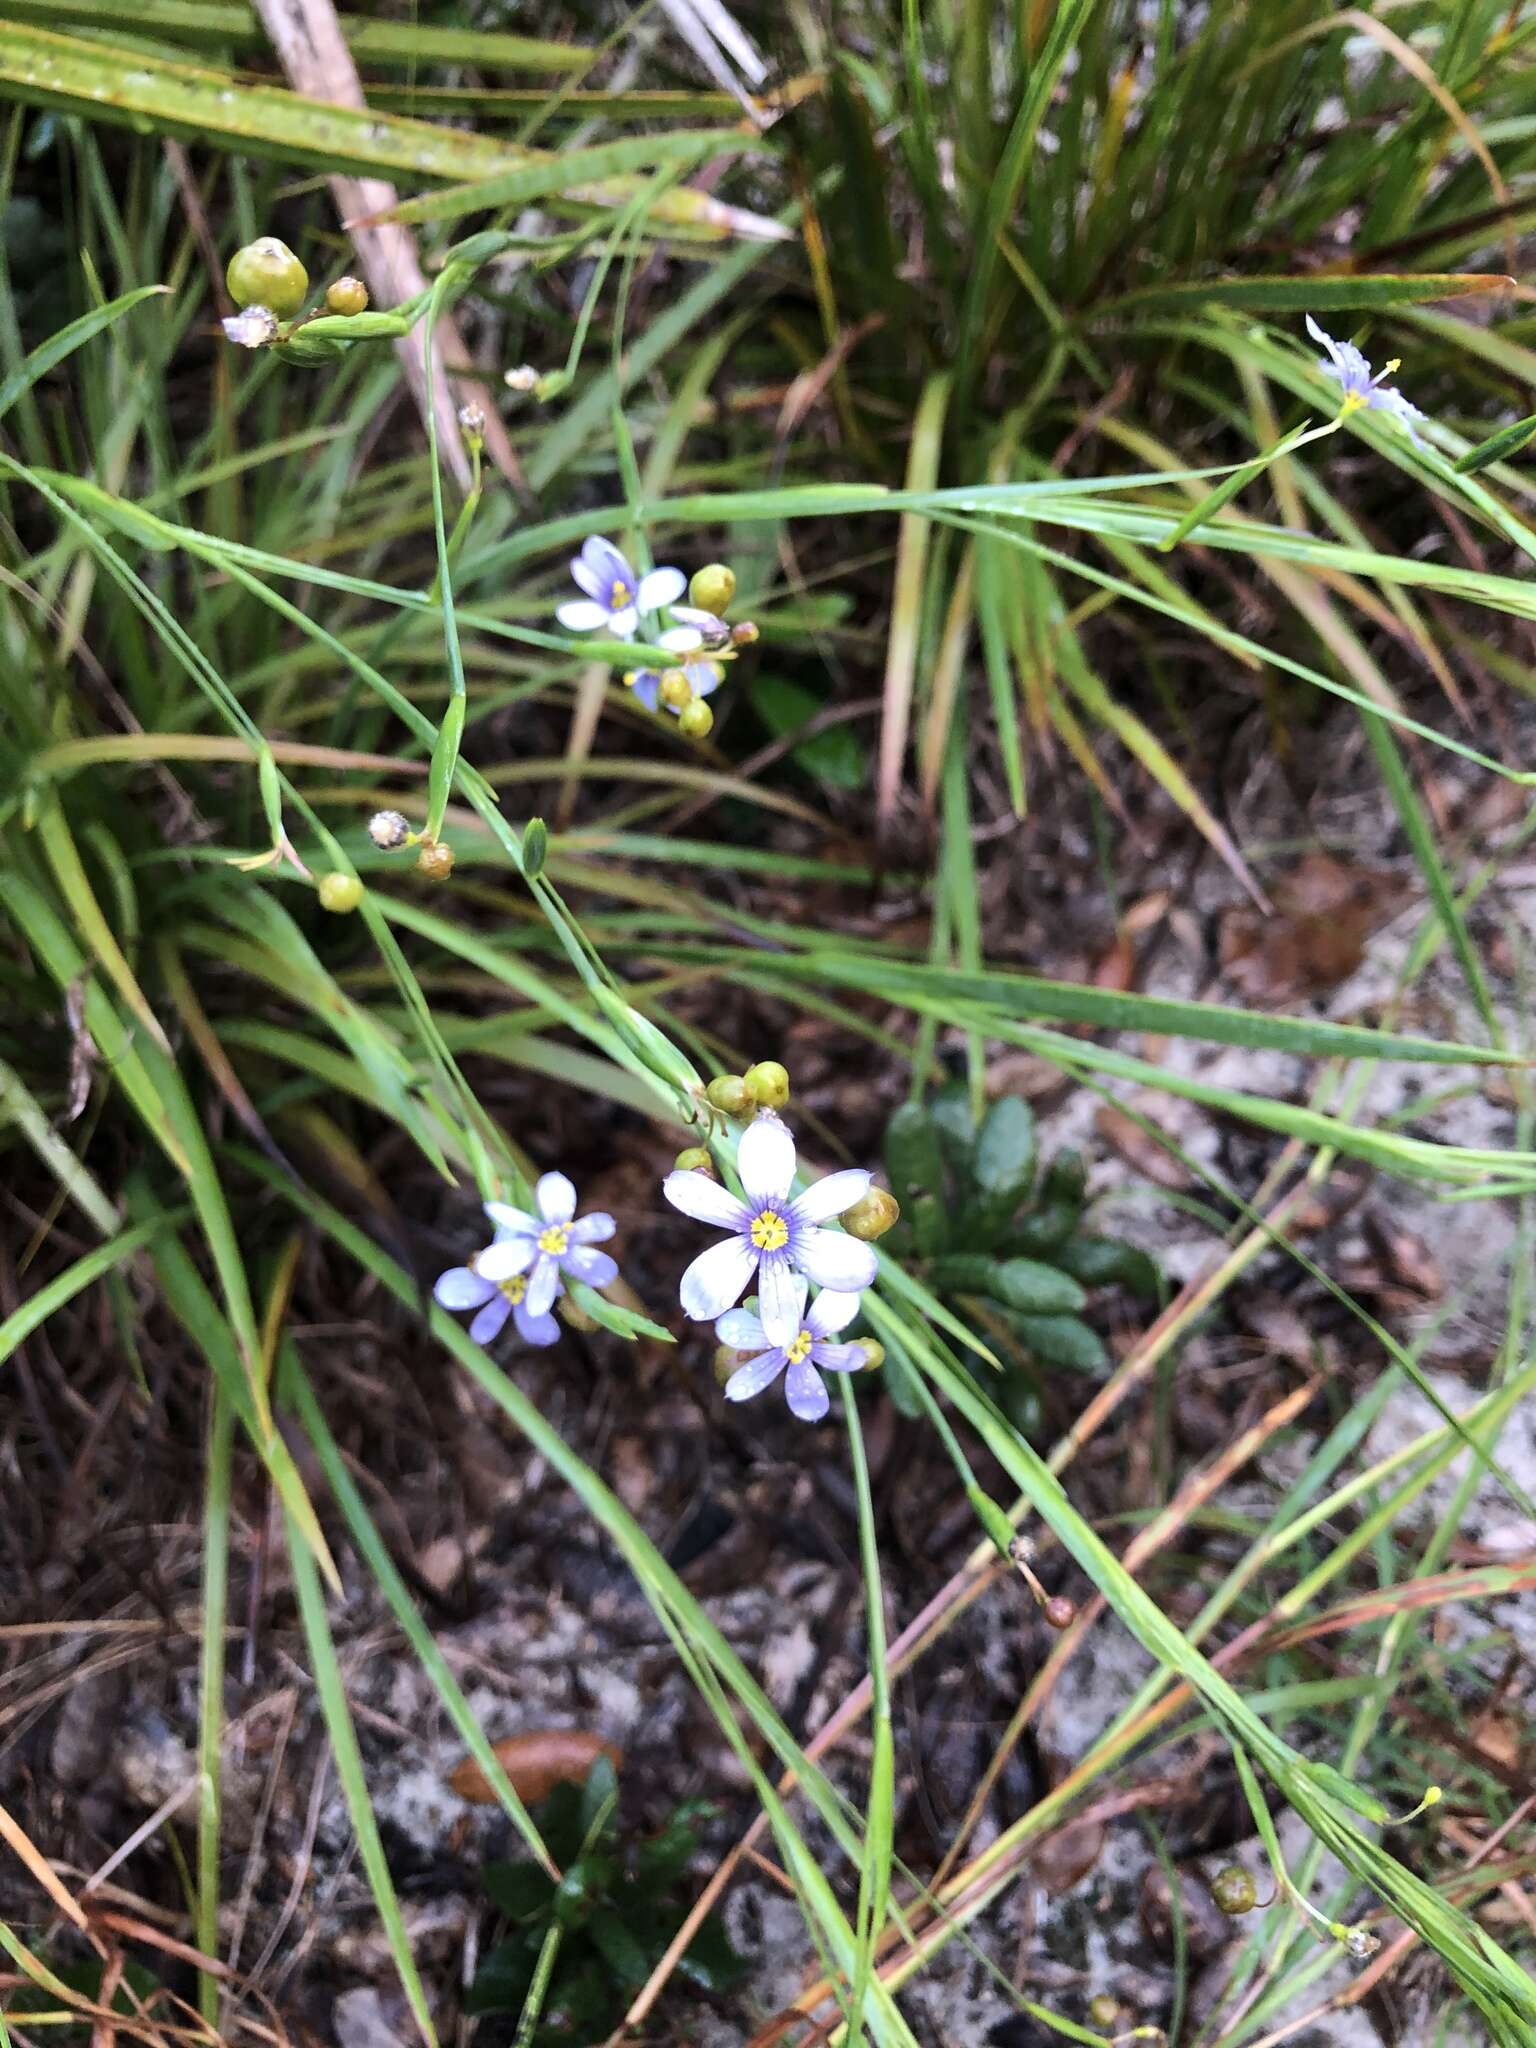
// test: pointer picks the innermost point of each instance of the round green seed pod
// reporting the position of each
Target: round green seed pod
(729, 1094)
(1234, 1891)
(340, 892)
(674, 688)
(712, 587)
(768, 1083)
(697, 1159)
(696, 721)
(1104, 2010)
(267, 273)
(874, 1354)
(346, 295)
(872, 1215)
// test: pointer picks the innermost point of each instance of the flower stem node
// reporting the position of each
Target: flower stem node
(389, 830)
(712, 587)
(435, 860)
(347, 295)
(674, 689)
(874, 1353)
(874, 1216)
(768, 1084)
(696, 1159)
(340, 892)
(729, 1094)
(695, 721)
(1234, 1891)
(267, 273)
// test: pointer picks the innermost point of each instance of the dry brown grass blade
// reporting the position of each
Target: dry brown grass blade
(314, 55)
(20, 1843)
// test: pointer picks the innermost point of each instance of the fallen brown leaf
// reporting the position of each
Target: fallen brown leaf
(536, 1762)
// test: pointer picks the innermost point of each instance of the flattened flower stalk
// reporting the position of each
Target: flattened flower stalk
(1363, 388)
(802, 1361)
(773, 1238)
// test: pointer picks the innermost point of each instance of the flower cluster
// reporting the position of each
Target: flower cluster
(522, 1272)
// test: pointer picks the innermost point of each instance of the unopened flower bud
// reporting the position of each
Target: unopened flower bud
(1234, 1891)
(535, 848)
(267, 273)
(1360, 1943)
(524, 378)
(1059, 1612)
(874, 1354)
(340, 892)
(768, 1084)
(697, 1159)
(745, 634)
(729, 1094)
(388, 829)
(695, 721)
(435, 861)
(346, 295)
(872, 1215)
(712, 587)
(674, 688)
(256, 327)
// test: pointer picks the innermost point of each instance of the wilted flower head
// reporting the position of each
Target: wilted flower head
(1360, 385)
(523, 378)
(553, 1242)
(710, 627)
(704, 676)
(389, 829)
(255, 327)
(809, 1349)
(616, 596)
(772, 1236)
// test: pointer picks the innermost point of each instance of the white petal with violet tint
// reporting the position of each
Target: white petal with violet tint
(661, 586)
(605, 561)
(543, 1285)
(831, 1312)
(460, 1288)
(540, 1330)
(593, 1229)
(586, 578)
(556, 1198)
(831, 1196)
(622, 624)
(505, 1217)
(591, 1265)
(834, 1260)
(765, 1159)
(839, 1357)
(806, 1395)
(507, 1257)
(646, 689)
(705, 1200)
(705, 676)
(709, 624)
(742, 1330)
(581, 615)
(780, 1299)
(680, 640)
(751, 1378)
(490, 1319)
(717, 1279)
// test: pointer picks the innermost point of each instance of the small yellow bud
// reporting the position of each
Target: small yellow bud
(267, 273)
(729, 1094)
(697, 1159)
(872, 1215)
(695, 721)
(1104, 2010)
(388, 829)
(1234, 1891)
(346, 295)
(712, 587)
(674, 688)
(874, 1354)
(435, 861)
(768, 1084)
(340, 892)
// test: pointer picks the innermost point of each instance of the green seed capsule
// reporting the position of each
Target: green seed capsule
(696, 721)
(1234, 1890)
(697, 1159)
(872, 1215)
(346, 295)
(729, 1094)
(768, 1083)
(712, 587)
(340, 892)
(1104, 2010)
(874, 1354)
(267, 273)
(535, 847)
(674, 688)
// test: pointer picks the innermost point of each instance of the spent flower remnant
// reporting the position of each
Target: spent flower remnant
(808, 1354)
(1361, 386)
(254, 327)
(616, 597)
(772, 1236)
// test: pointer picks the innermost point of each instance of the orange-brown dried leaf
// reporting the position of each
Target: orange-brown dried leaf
(536, 1762)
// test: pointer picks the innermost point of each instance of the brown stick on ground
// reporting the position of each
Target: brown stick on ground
(315, 57)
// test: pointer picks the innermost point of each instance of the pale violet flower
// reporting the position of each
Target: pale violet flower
(252, 328)
(616, 596)
(705, 677)
(799, 1360)
(1360, 385)
(468, 1287)
(773, 1235)
(544, 1246)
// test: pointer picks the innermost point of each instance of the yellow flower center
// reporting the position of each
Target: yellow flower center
(800, 1350)
(515, 1288)
(555, 1239)
(618, 597)
(770, 1233)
